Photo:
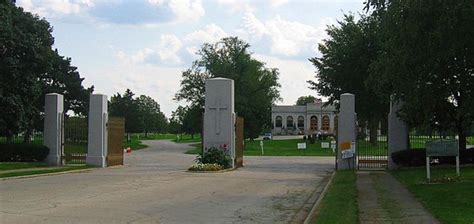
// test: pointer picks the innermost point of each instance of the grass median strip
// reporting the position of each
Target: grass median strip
(278, 148)
(340, 203)
(42, 170)
(449, 199)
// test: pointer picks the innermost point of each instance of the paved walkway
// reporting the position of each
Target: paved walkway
(382, 199)
(154, 188)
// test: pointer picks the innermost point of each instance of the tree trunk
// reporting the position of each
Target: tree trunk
(192, 135)
(9, 137)
(373, 129)
(146, 134)
(27, 136)
(462, 138)
(128, 137)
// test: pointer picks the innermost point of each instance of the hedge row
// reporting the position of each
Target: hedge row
(23, 153)
(417, 157)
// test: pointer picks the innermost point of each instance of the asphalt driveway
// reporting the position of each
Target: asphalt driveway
(153, 187)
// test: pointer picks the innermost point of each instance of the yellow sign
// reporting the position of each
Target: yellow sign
(345, 146)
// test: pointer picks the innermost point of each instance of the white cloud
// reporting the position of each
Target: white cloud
(187, 10)
(293, 77)
(211, 33)
(166, 52)
(278, 3)
(237, 5)
(288, 38)
(252, 26)
(54, 8)
(160, 83)
(156, 2)
(168, 49)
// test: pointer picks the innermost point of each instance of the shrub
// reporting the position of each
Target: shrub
(409, 157)
(417, 157)
(304, 137)
(206, 167)
(23, 153)
(215, 155)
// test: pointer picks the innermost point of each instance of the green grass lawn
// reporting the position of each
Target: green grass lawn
(188, 139)
(339, 205)
(134, 144)
(20, 165)
(278, 148)
(451, 202)
(285, 148)
(39, 171)
(470, 140)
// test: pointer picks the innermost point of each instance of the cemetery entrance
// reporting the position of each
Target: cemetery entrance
(74, 140)
(372, 148)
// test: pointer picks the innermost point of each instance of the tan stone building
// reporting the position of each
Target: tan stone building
(309, 119)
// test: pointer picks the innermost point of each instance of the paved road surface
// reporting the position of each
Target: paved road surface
(154, 188)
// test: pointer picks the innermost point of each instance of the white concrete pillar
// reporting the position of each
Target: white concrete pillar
(331, 122)
(97, 135)
(53, 121)
(397, 133)
(346, 130)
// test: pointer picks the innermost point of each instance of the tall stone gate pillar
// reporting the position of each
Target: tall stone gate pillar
(53, 121)
(346, 131)
(97, 135)
(219, 116)
(397, 132)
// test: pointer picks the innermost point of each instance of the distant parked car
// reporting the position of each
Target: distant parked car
(267, 136)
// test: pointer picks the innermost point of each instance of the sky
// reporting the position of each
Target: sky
(145, 45)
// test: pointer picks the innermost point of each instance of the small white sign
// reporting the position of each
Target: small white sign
(325, 145)
(301, 145)
(333, 144)
(346, 154)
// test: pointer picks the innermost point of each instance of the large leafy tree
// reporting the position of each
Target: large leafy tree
(256, 86)
(127, 106)
(30, 68)
(153, 119)
(344, 68)
(142, 114)
(303, 100)
(427, 61)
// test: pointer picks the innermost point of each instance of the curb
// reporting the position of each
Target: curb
(47, 174)
(313, 211)
(218, 171)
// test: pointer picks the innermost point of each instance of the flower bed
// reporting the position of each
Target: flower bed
(205, 167)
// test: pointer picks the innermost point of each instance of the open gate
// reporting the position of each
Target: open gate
(115, 132)
(74, 139)
(372, 149)
(239, 142)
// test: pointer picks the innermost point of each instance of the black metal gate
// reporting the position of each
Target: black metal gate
(75, 135)
(372, 149)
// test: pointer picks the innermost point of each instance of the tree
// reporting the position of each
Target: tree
(344, 68)
(176, 120)
(256, 87)
(192, 120)
(303, 100)
(30, 68)
(427, 61)
(152, 118)
(126, 106)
